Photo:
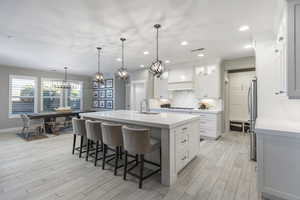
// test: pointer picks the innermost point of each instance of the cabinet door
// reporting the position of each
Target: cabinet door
(161, 88)
(207, 82)
(184, 74)
(293, 49)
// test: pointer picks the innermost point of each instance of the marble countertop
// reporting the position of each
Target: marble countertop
(209, 111)
(160, 120)
(277, 126)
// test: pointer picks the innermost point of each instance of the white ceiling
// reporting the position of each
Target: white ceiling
(54, 33)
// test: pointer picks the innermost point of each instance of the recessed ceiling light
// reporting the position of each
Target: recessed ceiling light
(142, 66)
(244, 28)
(248, 46)
(167, 61)
(184, 43)
(200, 54)
(146, 52)
(119, 59)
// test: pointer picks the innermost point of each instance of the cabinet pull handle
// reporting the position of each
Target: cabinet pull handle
(185, 128)
(279, 92)
(183, 141)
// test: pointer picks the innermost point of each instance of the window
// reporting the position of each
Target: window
(52, 97)
(22, 95)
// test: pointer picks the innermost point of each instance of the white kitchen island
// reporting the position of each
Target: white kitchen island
(179, 135)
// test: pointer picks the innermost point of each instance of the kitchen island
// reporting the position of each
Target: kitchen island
(178, 133)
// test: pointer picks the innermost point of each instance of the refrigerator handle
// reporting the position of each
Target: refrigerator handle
(249, 92)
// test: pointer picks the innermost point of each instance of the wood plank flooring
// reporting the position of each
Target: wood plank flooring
(46, 169)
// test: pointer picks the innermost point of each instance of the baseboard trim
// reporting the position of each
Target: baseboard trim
(10, 130)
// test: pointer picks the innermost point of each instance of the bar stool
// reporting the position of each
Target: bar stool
(112, 137)
(78, 129)
(139, 142)
(94, 134)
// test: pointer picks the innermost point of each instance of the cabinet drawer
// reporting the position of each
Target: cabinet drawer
(208, 117)
(182, 159)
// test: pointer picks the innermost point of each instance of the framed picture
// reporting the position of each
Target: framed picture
(101, 104)
(95, 85)
(95, 94)
(109, 93)
(101, 85)
(109, 83)
(109, 104)
(102, 93)
(95, 104)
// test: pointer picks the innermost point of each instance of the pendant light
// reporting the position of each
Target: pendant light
(65, 84)
(122, 72)
(156, 67)
(99, 75)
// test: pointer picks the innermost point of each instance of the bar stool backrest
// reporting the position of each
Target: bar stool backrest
(136, 140)
(93, 130)
(79, 126)
(112, 134)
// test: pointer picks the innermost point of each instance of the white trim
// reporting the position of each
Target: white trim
(9, 130)
(35, 79)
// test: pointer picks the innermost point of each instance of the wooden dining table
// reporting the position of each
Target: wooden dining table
(50, 117)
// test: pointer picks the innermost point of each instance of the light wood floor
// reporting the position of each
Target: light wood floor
(46, 169)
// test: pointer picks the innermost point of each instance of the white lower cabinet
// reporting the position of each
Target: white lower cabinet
(278, 164)
(210, 125)
(186, 144)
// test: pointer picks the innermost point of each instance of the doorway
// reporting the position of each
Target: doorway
(138, 93)
(238, 83)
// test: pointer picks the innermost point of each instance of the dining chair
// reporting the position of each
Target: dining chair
(36, 126)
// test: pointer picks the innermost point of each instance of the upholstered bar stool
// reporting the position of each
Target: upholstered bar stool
(94, 134)
(78, 129)
(112, 137)
(138, 141)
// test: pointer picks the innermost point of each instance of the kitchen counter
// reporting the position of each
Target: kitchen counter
(178, 133)
(190, 111)
(159, 120)
(277, 127)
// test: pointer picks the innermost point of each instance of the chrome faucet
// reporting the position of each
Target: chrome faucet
(146, 101)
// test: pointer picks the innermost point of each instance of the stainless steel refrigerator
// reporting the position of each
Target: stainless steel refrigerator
(252, 110)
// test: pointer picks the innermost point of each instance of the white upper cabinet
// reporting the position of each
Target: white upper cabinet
(293, 48)
(184, 74)
(161, 87)
(281, 57)
(208, 81)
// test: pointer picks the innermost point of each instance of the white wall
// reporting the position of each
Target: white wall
(271, 106)
(5, 71)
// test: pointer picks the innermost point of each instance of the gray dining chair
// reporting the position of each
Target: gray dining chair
(139, 142)
(36, 126)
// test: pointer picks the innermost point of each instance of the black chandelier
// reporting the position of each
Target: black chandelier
(156, 68)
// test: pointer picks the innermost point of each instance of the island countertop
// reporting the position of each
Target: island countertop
(160, 120)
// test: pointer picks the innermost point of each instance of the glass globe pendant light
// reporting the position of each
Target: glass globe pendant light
(122, 72)
(99, 76)
(156, 68)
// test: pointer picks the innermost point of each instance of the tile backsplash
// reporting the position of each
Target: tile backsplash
(186, 99)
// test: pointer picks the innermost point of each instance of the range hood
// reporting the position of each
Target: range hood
(184, 85)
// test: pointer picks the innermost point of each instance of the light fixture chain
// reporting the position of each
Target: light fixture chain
(123, 54)
(157, 44)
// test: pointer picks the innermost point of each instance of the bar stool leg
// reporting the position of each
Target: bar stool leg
(81, 144)
(116, 160)
(74, 143)
(125, 165)
(96, 153)
(104, 156)
(141, 171)
(87, 150)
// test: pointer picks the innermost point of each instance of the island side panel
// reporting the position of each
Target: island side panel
(168, 171)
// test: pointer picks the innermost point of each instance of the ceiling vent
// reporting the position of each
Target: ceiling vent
(196, 50)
